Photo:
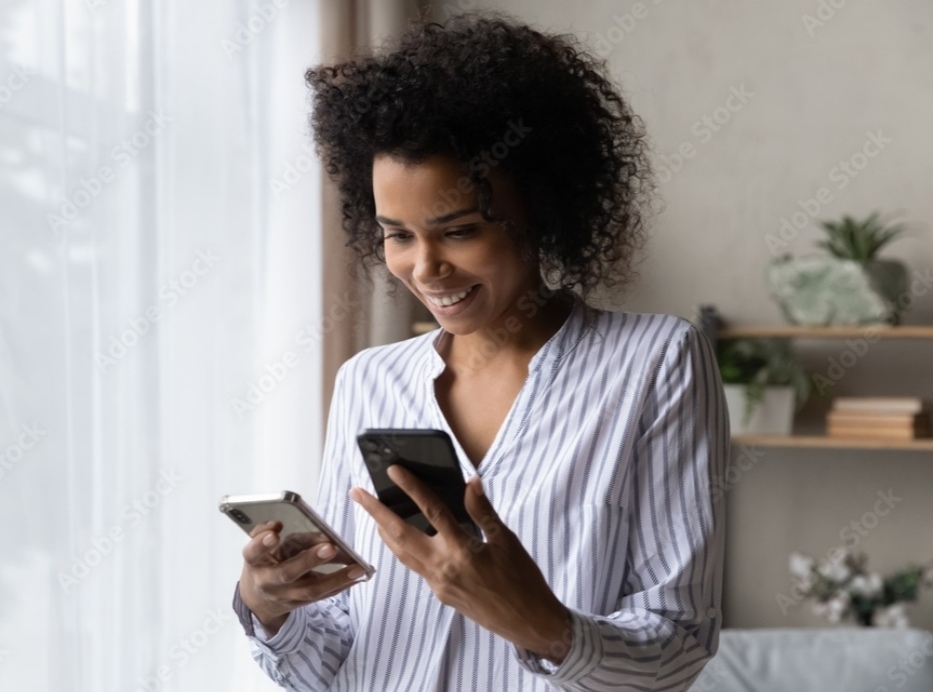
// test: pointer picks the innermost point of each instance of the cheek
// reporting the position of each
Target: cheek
(395, 264)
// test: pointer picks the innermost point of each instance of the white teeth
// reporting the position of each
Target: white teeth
(450, 300)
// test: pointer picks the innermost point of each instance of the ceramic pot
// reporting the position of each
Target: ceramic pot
(774, 415)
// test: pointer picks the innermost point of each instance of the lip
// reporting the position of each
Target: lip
(450, 310)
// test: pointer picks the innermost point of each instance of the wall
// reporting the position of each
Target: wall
(812, 94)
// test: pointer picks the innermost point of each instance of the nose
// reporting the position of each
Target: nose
(431, 263)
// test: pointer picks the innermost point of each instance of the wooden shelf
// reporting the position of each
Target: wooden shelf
(798, 441)
(796, 331)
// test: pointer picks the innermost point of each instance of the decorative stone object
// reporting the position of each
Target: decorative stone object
(824, 291)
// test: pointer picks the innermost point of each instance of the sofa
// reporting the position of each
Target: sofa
(845, 659)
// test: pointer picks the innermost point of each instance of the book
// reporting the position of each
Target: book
(879, 404)
(876, 420)
(876, 434)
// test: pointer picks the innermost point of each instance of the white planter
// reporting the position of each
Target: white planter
(774, 415)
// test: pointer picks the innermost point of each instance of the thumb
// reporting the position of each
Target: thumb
(483, 513)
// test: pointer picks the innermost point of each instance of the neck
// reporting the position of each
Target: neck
(515, 338)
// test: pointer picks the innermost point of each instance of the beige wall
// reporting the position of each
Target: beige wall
(810, 102)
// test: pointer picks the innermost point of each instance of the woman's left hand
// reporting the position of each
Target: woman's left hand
(496, 584)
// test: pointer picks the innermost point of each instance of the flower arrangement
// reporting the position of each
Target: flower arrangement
(843, 589)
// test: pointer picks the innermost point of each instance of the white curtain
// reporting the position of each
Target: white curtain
(160, 328)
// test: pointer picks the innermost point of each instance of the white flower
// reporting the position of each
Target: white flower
(835, 608)
(838, 605)
(834, 571)
(892, 616)
(801, 566)
(867, 586)
(928, 576)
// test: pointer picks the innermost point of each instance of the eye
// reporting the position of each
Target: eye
(462, 232)
(396, 236)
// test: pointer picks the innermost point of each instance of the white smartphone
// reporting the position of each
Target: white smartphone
(301, 527)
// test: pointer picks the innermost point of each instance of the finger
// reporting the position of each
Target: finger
(482, 512)
(265, 526)
(261, 548)
(314, 587)
(397, 533)
(431, 506)
(296, 567)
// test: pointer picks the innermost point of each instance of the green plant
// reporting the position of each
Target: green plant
(858, 240)
(758, 363)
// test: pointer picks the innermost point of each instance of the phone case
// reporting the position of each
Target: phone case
(428, 454)
(301, 527)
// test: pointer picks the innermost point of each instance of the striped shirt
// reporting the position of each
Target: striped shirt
(604, 468)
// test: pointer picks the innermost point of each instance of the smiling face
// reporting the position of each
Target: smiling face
(468, 271)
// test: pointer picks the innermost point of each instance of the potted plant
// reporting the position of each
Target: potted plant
(842, 589)
(764, 384)
(852, 285)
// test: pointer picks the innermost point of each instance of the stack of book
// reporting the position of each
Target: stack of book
(878, 417)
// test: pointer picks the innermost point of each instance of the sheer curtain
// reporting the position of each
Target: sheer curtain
(160, 328)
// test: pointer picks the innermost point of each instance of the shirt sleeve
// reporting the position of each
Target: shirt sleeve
(666, 626)
(306, 653)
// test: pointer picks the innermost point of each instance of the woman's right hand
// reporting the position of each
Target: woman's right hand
(272, 589)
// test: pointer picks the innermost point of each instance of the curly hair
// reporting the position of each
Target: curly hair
(468, 89)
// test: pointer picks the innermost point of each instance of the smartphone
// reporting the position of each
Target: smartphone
(301, 527)
(428, 454)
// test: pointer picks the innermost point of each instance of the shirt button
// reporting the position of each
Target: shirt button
(712, 613)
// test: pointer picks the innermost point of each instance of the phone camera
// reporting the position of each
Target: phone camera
(240, 516)
(370, 445)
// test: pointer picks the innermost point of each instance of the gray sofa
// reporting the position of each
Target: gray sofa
(845, 659)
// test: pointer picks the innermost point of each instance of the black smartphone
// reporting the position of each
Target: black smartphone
(302, 527)
(429, 455)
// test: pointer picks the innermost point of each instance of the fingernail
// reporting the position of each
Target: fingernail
(268, 539)
(479, 486)
(326, 551)
(355, 572)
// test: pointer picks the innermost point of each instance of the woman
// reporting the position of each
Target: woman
(492, 168)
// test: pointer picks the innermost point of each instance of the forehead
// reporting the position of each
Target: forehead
(433, 187)
(405, 187)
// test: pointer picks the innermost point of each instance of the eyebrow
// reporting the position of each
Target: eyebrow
(433, 222)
